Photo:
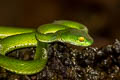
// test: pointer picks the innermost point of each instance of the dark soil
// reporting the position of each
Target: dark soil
(67, 63)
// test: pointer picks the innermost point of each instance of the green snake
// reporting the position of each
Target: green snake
(15, 38)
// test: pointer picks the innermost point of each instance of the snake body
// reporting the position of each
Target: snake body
(16, 38)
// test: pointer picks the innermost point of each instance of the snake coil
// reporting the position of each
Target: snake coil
(15, 38)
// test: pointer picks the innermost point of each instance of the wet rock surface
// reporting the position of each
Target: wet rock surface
(66, 63)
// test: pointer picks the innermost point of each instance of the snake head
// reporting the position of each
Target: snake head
(76, 37)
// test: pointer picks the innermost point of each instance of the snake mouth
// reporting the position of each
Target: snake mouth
(84, 44)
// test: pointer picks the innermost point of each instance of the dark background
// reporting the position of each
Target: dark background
(102, 17)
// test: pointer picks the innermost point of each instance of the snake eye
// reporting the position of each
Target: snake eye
(81, 39)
